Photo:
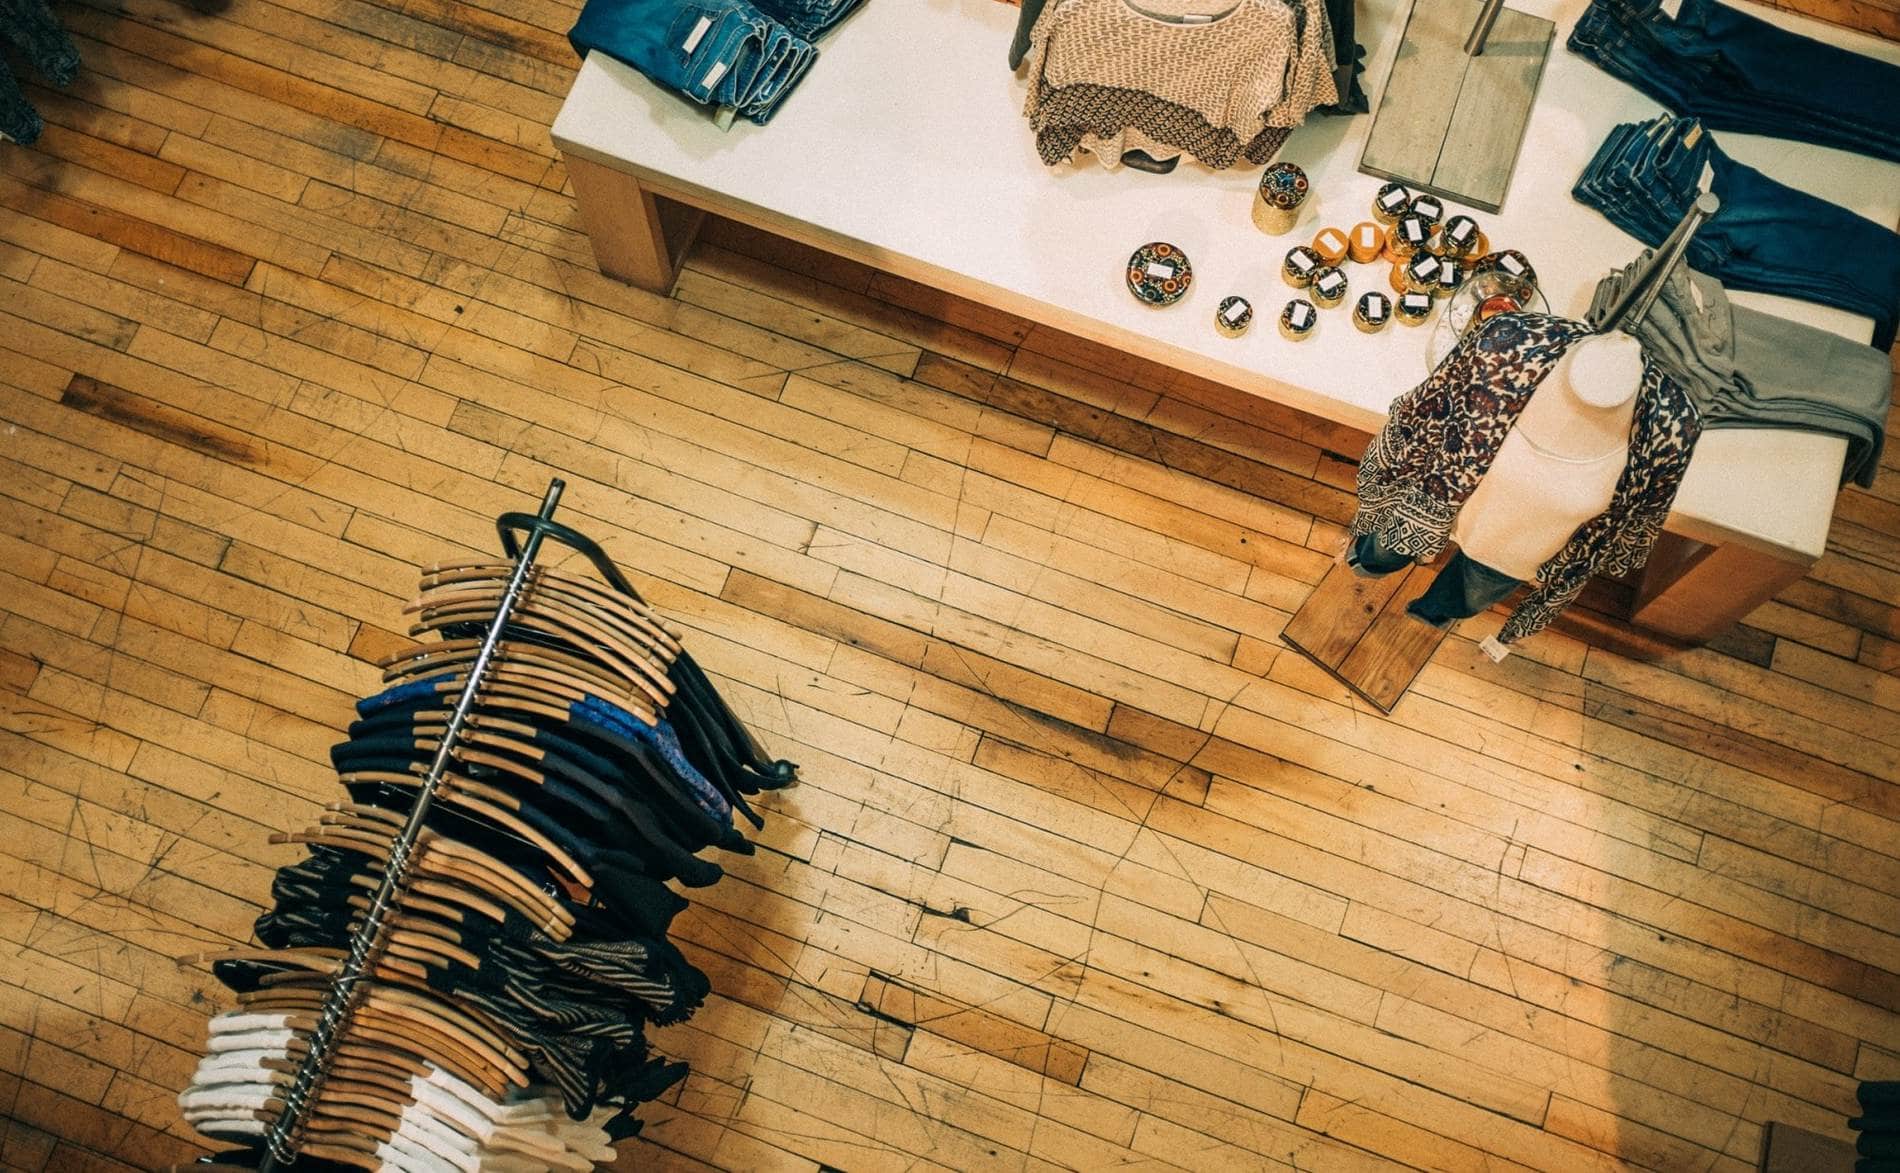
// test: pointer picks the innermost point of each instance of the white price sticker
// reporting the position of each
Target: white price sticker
(1159, 270)
(1234, 313)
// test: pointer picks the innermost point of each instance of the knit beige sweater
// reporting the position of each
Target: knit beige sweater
(1109, 76)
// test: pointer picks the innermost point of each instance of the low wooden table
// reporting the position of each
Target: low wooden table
(905, 148)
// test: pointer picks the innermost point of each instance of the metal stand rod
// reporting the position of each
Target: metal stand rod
(366, 944)
(1481, 31)
(1641, 291)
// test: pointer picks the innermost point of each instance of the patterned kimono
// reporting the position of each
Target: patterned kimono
(1441, 436)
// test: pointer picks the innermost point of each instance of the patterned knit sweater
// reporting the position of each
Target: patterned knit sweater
(1442, 435)
(1113, 75)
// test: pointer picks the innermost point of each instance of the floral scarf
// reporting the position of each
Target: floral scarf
(1441, 436)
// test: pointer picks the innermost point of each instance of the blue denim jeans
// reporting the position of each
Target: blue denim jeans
(1737, 72)
(1463, 588)
(1767, 237)
(715, 52)
(810, 19)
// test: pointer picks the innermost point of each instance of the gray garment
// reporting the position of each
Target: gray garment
(1025, 23)
(1748, 369)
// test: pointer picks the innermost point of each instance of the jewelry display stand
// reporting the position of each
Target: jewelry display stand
(1452, 118)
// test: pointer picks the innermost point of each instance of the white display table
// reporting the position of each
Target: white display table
(905, 148)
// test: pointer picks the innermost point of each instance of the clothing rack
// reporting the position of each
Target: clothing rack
(1642, 290)
(282, 1140)
(463, 967)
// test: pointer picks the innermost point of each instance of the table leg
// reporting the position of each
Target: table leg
(1694, 592)
(638, 237)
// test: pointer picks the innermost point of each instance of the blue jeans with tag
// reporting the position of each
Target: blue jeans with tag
(715, 52)
(1767, 237)
(1464, 586)
(1738, 72)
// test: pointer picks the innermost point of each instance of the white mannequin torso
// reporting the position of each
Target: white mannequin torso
(1559, 465)
(1594, 385)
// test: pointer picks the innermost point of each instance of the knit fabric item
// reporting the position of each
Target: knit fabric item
(1441, 436)
(1108, 77)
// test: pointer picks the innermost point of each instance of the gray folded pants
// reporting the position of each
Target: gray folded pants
(1748, 369)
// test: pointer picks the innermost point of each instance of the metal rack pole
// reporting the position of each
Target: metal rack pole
(281, 1142)
(1481, 31)
(1641, 291)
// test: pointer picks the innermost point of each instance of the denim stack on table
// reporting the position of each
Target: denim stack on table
(1738, 72)
(1767, 237)
(742, 55)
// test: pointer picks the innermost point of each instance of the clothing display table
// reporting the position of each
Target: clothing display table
(906, 149)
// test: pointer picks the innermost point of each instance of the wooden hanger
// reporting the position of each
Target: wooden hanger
(404, 1024)
(457, 791)
(589, 674)
(372, 822)
(575, 675)
(606, 626)
(417, 996)
(475, 570)
(552, 598)
(451, 861)
(554, 627)
(443, 863)
(628, 663)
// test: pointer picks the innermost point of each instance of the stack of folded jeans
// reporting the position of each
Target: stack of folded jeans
(1738, 72)
(742, 55)
(1767, 237)
(1747, 369)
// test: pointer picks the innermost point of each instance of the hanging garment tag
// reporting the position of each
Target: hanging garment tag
(697, 35)
(1490, 646)
(1672, 8)
(1160, 270)
(724, 116)
(1706, 178)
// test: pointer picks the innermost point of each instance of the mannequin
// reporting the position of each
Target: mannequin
(1556, 468)
(1607, 437)
(1560, 464)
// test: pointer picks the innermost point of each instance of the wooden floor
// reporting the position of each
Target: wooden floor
(1086, 870)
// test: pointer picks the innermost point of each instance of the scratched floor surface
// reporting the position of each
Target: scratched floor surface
(1086, 870)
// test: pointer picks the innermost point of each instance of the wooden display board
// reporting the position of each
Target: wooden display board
(1357, 629)
(1450, 122)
